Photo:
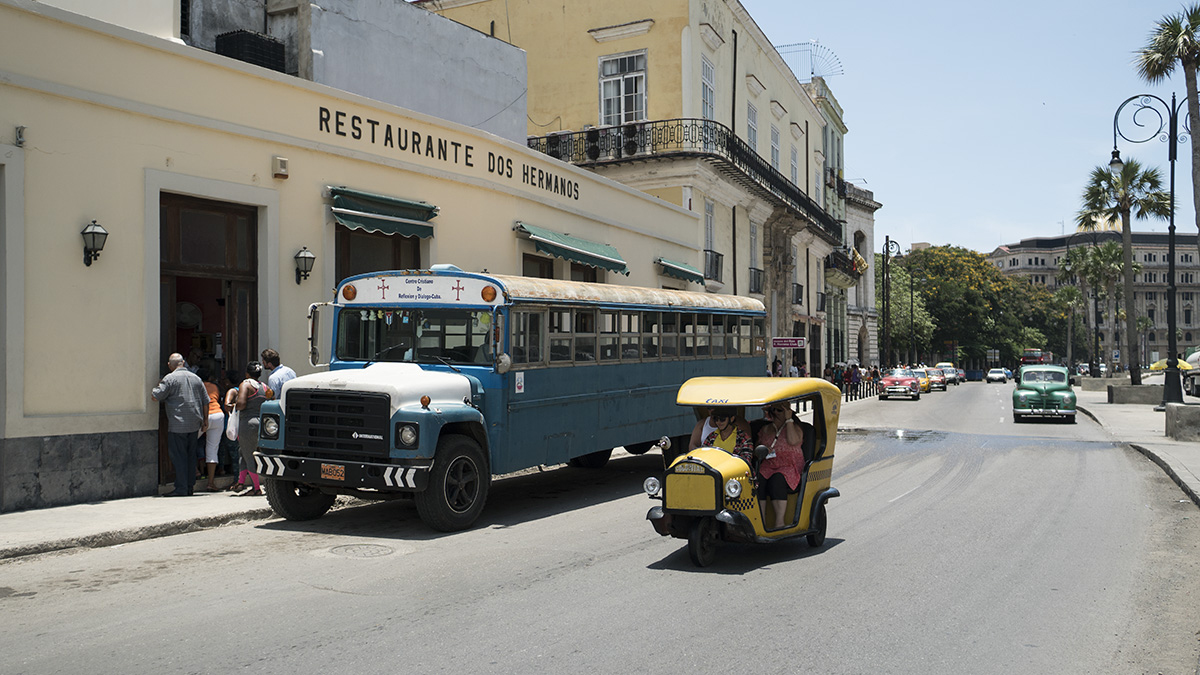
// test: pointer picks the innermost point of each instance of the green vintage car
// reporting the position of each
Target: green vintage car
(1043, 391)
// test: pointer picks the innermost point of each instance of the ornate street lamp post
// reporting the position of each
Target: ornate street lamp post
(890, 248)
(1168, 130)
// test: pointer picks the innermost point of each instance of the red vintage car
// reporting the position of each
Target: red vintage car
(937, 378)
(899, 382)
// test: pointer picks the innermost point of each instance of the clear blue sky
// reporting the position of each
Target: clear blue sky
(976, 124)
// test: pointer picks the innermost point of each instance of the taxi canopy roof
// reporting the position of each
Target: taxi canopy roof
(714, 391)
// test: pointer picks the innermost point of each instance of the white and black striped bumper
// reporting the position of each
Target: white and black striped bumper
(332, 472)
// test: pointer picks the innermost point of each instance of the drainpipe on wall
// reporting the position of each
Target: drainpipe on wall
(733, 115)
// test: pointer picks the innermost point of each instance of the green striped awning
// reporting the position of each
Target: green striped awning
(680, 270)
(371, 212)
(572, 248)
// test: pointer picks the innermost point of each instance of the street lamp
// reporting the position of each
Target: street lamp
(890, 248)
(1168, 124)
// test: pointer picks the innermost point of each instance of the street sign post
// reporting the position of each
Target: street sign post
(789, 342)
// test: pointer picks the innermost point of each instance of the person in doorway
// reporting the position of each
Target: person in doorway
(278, 374)
(216, 426)
(793, 371)
(230, 455)
(186, 400)
(248, 400)
(780, 472)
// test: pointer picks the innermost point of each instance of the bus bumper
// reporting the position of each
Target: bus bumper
(409, 477)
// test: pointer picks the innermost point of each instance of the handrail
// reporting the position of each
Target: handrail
(685, 136)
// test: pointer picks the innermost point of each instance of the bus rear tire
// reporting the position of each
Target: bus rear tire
(297, 501)
(592, 460)
(458, 485)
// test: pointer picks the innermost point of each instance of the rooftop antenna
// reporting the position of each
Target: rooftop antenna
(810, 59)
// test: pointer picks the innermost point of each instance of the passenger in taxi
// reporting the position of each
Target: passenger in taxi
(706, 426)
(785, 437)
(728, 435)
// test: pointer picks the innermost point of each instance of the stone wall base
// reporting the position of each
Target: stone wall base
(1183, 422)
(43, 471)
(1142, 394)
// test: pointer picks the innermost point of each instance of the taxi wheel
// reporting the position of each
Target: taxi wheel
(702, 541)
(296, 501)
(458, 485)
(817, 539)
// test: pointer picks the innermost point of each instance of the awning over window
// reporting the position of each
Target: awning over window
(681, 271)
(573, 248)
(359, 210)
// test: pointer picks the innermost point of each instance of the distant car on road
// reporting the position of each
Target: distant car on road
(937, 378)
(1043, 391)
(962, 375)
(923, 378)
(899, 382)
(950, 371)
(997, 375)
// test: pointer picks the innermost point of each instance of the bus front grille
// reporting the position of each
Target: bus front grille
(327, 422)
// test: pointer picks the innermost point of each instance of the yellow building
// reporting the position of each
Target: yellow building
(687, 100)
(210, 176)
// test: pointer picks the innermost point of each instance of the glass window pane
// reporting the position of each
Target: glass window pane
(650, 335)
(201, 237)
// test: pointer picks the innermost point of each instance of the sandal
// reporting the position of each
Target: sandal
(234, 487)
(251, 493)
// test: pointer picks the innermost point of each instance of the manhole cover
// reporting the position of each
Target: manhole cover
(361, 551)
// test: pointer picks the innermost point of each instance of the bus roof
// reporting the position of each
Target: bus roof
(535, 290)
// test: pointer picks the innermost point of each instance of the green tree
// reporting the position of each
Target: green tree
(1111, 195)
(1068, 299)
(1176, 40)
(1144, 324)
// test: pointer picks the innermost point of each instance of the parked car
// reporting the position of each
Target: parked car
(937, 378)
(1043, 391)
(923, 378)
(997, 375)
(899, 382)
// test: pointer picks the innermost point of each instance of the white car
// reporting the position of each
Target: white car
(997, 375)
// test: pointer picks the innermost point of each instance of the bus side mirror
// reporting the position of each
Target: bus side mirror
(503, 364)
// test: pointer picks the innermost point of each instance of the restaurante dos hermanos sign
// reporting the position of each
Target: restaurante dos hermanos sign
(403, 140)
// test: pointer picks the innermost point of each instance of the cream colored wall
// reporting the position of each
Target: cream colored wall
(132, 116)
(159, 18)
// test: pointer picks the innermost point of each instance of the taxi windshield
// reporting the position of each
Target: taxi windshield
(1033, 376)
(457, 336)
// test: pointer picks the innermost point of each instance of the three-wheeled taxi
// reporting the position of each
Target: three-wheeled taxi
(710, 495)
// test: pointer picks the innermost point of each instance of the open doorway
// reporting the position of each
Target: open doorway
(208, 290)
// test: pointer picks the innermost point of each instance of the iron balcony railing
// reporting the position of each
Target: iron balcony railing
(756, 280)
(713, 262)
(694, 137)
(840, 260)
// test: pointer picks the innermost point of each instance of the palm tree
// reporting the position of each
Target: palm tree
(1110, 195)
(1144, 324)
(1070, 267)
(1176, 39)
(1069, 298)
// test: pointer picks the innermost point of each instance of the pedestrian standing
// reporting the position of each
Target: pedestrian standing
(216, 426)
(793, 371)
(183, 393)
(248, 399)
(278, 373)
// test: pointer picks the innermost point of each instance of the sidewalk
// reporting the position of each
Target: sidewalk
(126, 520)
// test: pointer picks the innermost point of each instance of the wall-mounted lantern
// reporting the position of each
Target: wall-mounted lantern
(94, 237)
(304, 263)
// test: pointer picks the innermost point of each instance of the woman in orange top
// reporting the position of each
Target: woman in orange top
(216, 423)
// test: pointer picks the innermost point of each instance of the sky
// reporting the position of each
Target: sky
(977, 124)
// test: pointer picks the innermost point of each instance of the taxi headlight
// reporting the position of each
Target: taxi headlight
(652, 486)
(733, 488)
(270, 426)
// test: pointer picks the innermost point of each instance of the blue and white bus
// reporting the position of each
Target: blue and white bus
(439, 379)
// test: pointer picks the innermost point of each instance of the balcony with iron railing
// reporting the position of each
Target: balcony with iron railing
(713, 263)
(756, 280)
(660, 139)
(841, 270)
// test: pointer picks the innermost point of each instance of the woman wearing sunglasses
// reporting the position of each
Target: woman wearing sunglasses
(727, 434)
(780, 472)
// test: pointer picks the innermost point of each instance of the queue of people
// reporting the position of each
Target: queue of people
(200, 440)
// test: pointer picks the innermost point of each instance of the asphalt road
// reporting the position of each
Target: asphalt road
(962, 543)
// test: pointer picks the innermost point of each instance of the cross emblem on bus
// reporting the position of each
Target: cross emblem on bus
(458, 288)
(383, 288)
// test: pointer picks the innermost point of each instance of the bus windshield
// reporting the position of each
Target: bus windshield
(457, 336)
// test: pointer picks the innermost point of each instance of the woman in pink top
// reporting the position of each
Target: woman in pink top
(780, 472)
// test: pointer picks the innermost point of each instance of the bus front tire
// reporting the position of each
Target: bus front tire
(297, 501)
(592, 460)
(458, 485)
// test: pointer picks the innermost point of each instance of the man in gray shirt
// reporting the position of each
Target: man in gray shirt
(186, 400)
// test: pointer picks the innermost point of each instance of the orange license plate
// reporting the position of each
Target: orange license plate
(333, 472)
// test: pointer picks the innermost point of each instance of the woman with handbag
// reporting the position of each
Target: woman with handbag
(246, 404)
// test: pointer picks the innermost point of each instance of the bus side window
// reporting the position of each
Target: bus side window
(717, 338)
(585, 335)
(610, 348)
(650, 335)
(670, 335)
(631, 336)
(528, 337)
(687, 334)
(561, 346)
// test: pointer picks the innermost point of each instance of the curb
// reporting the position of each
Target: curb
(115, 537)
(1165, 466)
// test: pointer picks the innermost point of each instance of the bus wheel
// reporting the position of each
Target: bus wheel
(639, 448)
(702, 541)
(458, 485)
(297, 501)
(817, 537)
(592, 460)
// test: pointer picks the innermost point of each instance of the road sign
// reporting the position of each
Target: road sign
(789, 342)
(993, 354)
(1116, 355)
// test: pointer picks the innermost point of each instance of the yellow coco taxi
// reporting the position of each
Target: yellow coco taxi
(710, 496)
(923, 379)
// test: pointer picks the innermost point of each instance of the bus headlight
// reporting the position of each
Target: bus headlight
(733, 488)
(407, 435)
(269, 427)
(652, 486)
